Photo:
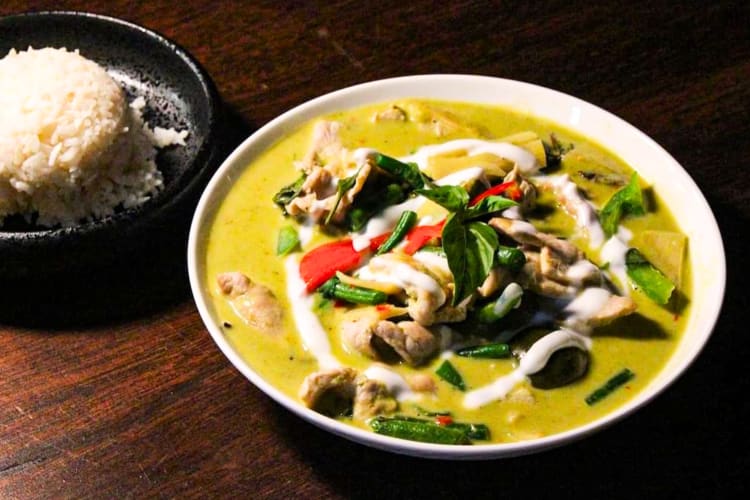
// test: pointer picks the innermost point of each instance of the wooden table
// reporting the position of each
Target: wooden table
(137, 401)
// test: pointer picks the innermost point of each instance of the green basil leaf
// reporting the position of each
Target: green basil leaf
(628, 200)
(407, 172)
(470, 251)
(487, 206)
(342, 187)
(648, 278)
(453, 198)
(289, 192)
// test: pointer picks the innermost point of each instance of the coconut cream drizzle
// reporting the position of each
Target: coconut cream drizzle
(525, 160)
(314, 337)
(533, 361)
(384, 269)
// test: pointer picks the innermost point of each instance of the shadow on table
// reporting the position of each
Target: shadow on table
(153, 278)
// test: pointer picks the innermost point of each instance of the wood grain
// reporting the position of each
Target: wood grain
(138, 402)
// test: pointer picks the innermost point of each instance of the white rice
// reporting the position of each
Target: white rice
(71, 148)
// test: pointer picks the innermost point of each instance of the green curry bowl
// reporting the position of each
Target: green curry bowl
(456, 266)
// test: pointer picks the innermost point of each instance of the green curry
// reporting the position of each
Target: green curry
(471, 202)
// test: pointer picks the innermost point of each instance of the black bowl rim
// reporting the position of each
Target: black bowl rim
(152, 207)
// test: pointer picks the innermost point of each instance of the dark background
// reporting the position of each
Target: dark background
(145, 405)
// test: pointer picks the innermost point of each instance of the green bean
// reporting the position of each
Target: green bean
(494, 311)
(489, 351)
(448, 372)
(510, 257)
(417, 430)
(404, 224)
(618, 380)
(334, 289)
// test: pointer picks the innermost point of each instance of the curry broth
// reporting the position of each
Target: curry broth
(243, 238)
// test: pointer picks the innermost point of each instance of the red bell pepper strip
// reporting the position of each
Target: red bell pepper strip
(510, 189)
(321, 263)
(419, 236)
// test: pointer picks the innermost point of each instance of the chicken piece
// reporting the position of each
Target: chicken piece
(393, 113)
(330, 392)
(579, 273)
(381, 340)
(372, 398)
(421, 382)
(530, 277)
(497, 279)
(254, 303)
(525, 233)
(325, 146)
(528, 201)
(616, 307)
(422, 305)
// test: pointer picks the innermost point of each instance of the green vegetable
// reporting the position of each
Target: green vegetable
(342, 187)
(335, 289)
(407, 172)
(452, 198)
(287, 241)
(470, 251)
(489, 205)
(289, 192)
(473, 431)
(647, 277)
(628, 200)
(373, 198)
(489, 351)
(448, 372)
(404, 224)
(469, 244)
(509, 299)
(417, 430)
(510, 257)
(618, 380)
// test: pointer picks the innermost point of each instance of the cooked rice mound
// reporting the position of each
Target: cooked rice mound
(71, 148)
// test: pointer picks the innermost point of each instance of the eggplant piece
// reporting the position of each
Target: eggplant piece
(564, 366)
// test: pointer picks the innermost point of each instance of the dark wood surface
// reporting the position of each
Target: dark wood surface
(136, 401)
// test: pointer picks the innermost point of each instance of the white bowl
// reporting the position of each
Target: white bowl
(653, 163)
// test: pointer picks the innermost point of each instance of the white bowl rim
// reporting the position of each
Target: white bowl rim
(455, 87)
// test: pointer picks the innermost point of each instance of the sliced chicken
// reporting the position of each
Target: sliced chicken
(528, 201)
(372, 398)
(252, 302)
(578, 273)
(530, 277)
(342, 391)
(388, 341)
(616, 307)
(497, 279)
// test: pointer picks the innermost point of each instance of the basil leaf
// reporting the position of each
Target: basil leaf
(289, 192)
(628, 200)
(453, 198)
(488, 205)
(407, 172)
(342, 187)
(648, 278)
(470, 251)
(372, 200)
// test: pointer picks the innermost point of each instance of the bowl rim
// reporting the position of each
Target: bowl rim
(164, 198)
(353, 96)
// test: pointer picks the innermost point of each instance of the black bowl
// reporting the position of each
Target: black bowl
(179, 93)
